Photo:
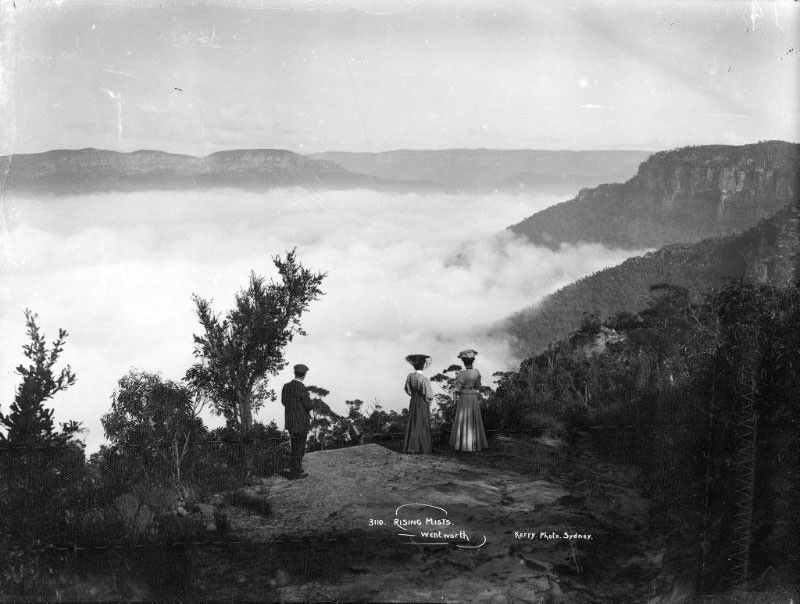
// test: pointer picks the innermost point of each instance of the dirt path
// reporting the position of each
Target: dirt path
(365, 525)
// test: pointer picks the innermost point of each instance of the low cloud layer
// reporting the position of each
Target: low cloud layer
(406, 273)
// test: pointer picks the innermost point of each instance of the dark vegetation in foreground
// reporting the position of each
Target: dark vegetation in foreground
(702, 396)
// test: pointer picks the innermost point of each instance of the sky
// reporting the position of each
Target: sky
(372, 75)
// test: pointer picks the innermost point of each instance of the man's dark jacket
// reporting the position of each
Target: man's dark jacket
(297, 401)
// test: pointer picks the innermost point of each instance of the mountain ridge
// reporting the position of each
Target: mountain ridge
(88, 170)
(487, 170)
(766, 253)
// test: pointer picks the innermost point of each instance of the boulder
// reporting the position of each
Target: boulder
(206, 512)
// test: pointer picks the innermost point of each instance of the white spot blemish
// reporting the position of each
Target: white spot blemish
(117, 96)
(756, 13)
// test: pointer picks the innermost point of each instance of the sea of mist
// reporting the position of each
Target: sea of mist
(407, 273)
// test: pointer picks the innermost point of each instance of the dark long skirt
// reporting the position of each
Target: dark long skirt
(418, 431)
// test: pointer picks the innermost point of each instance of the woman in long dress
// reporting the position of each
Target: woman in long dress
(418, 431)
(468, 433)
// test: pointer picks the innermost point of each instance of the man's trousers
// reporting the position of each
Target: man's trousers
(298, 441)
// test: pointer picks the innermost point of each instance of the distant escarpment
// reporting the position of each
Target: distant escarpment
(64, 172)
(679, 196)
(769, 252)
(485, 170)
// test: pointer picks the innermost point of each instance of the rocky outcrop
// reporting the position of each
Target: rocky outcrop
(679, 196)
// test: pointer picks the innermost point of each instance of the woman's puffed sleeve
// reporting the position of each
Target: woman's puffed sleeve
(477, 380)
(408, 385)
(427, 390)
(458, 384)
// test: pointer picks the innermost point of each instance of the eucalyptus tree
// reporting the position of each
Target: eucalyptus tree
(237, 354)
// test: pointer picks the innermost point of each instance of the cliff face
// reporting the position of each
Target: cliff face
(677, 196)
(769, 252)
(730, 186)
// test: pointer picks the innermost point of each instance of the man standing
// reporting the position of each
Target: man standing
(297, 401)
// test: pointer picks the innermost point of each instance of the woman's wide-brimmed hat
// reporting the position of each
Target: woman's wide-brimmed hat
(416, 358)
(467, 354)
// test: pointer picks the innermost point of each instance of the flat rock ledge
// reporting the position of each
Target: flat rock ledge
(358, 493)
(346, 488)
